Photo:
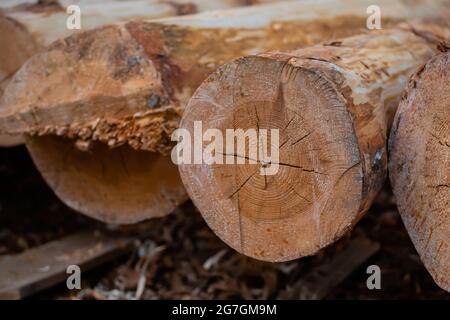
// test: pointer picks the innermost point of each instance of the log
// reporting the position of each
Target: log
(27, 27)
(419, 165)
(128, 84)
(330, 104)
(324, 278)
(9, 140)
(45, 266)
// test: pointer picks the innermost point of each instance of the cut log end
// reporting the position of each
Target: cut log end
(329, 104)
(420, 165)
(119, 185)
(309, 201)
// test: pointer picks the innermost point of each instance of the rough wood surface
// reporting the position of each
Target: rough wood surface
(107, 185)
(331, 104)
(419, 165)
(128, 84)
(42, 267)
(27, 27)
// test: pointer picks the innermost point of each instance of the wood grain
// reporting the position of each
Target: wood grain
(419, 165)
(128, 84)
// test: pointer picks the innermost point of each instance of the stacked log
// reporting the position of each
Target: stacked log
(27, 27)
(331, 105)
(419, 165)
(99, 107)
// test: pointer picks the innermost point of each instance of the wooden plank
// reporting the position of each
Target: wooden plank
(318, 283)
(45, 266)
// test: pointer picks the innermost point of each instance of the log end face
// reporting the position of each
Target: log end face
(119, 185)
(419, 165)
(312, 194)
(88, 75)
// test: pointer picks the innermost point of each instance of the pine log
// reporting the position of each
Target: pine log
(27, 27)
(128, 84)
(9, 140)
(419, 165)
(44, 266)
(331, 105)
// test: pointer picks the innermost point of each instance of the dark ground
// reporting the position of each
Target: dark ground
(182, 259)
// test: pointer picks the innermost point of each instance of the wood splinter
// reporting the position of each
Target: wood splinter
(419, 165)
(331, 104)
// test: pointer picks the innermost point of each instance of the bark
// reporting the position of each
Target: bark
(127, 84)
(331, 104)
(27, 27)
(419, 165)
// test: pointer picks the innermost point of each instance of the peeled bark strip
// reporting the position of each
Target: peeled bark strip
(419, 165)
(127, 84)
(330, 104)
(27, 27)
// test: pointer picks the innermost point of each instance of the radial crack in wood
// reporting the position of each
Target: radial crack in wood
(28, 27)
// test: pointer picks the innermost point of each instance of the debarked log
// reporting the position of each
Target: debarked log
(419, 164)
(27, 27)
(331, 106)
(127, 85)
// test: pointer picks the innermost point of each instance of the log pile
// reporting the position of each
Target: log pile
(98, 110)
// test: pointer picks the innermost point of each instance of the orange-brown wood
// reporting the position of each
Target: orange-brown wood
(127, 85)
(419, 165)
(26, 27)
(331, 104)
